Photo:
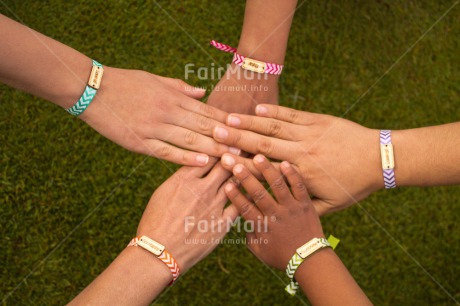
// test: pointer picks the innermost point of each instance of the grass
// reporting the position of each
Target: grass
(60, 179)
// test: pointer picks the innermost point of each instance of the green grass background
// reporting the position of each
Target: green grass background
(55, 169)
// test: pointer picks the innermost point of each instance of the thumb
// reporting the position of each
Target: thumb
(183, 87)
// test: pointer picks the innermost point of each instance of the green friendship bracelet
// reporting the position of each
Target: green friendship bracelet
(303, 253)
(88, 95)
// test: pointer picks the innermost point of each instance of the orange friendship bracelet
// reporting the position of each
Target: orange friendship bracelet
(158, 250)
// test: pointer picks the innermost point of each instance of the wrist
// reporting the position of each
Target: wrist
(174, 243)
(372, 150)
(404, 159)
(314, 261)
(238, 73)
(303, 255)
(71, 85)
(153, 269)
(262, 87)
(110, 79)
(261, 52)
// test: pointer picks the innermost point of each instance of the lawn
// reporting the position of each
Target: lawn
(71, 200)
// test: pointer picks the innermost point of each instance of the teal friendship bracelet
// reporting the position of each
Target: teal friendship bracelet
(91, 88)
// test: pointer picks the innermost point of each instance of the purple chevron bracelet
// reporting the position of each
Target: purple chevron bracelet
(388, 163)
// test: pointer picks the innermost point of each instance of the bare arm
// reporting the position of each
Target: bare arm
(140, 111)
(266, 29)
(327, 149)
(135, 277)
(428, 156)
(264, 37)
(291, 221)
(191, 196)
(40, 65)
(326, 281)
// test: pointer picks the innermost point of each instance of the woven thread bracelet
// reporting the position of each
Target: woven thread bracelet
(388, 161)
(303, 253)
(91, 88)
(249, 63)
(158, 250)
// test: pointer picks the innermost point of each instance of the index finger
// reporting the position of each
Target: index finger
(299, 190)
(274, 178)
(285, 114)
(254, 143)
(255, 189)
(203, 109)
(217, 176)
(265, 126)
(246, 209)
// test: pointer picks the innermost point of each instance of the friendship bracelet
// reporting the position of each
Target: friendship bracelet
(91, 88)
(303, 253)
(388, 161)
(249, 63)
(158, 250)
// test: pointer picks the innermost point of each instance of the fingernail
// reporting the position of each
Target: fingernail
(202, 159)
(261, 110)
(228, 160)
(221, 133)
(259, 158)
(234, 150)
(199, 89)
(238, 168)
(233, 121)
(229, 187)
(285, 164)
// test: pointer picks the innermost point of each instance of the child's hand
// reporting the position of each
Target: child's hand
(282, 225)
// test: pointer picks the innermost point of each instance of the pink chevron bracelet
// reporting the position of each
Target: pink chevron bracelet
(249, 63)
(158, 250)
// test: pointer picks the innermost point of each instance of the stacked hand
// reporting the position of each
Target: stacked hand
(189, 196)
(156, 116)
(192, 195)
(239, 91)
(289, 221)
(339, 160)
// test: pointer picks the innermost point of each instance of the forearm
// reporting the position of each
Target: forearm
(135, 277)
(266, 29)
(40, 65)
(427, 156)
(326, 281)
(263, 37)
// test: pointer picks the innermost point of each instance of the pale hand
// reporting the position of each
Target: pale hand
(339, 160)
(156, 116)
(189, 196)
